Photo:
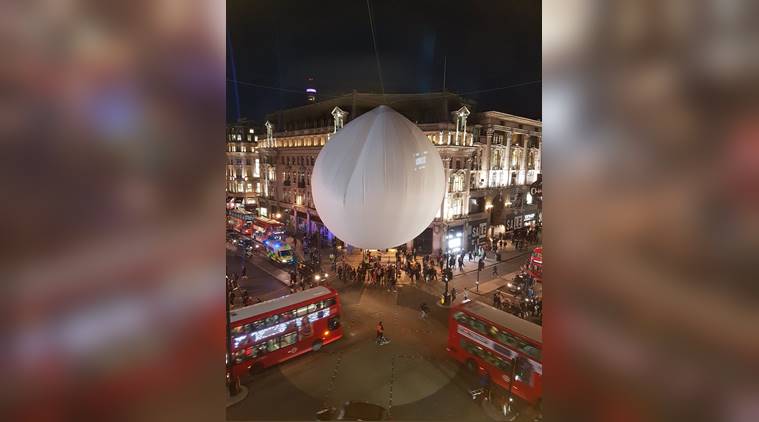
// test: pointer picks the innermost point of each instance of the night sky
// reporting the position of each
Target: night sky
(280, 43)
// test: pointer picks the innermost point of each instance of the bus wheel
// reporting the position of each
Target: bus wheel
(471, 365)
(317, 345)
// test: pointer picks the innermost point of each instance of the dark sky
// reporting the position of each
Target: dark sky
(488, 44)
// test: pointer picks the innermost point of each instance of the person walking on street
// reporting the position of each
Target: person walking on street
(380, 332)
(453, 295)
(461, 262)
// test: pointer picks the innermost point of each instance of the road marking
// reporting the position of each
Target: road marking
(332, 379)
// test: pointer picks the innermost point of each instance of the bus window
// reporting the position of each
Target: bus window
(272, 345)
(523, 370)
(479, 326)
(330, 302)
(288, 339)
(259, 349)
(459, 317)
(312, 308)
(532, 351)
(504, 366)
(272, 320)
(301, 312)
(256, 325)
(333, 323)
(286, 316)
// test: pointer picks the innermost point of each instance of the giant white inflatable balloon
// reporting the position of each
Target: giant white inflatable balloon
(379, 181)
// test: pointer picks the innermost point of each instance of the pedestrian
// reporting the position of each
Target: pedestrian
(495, 270)
(461, 262)
(244, 273)
(453, 295)
(380, 332)
(466, 295)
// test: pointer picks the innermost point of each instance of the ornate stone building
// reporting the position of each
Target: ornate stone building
(491, 158)
(242, 165)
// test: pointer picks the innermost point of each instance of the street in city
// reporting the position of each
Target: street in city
(413, 376)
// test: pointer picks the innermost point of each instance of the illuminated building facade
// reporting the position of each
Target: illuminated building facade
(242, 173)
(490, 158)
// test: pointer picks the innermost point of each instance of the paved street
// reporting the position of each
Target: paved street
(412, 376)
(261, 281)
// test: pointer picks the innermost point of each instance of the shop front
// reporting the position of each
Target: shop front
(454, 240)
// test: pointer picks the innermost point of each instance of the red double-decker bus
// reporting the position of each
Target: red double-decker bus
(241, 221)
(274, 331)
(489, 340)
(264, 228)
(535, 266)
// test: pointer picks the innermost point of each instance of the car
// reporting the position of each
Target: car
(311, 272)
(354, 411)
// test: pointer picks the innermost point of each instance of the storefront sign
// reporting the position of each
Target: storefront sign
(514, 222)
(479, 229)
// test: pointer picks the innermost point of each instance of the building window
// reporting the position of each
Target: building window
(257, 169)
(455, 209)
(457, 183)
(299, 200)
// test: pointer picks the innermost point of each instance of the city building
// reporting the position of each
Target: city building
(242, 166)
(492, 159)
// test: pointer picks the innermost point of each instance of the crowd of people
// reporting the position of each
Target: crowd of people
(235, 292)
(519, 298)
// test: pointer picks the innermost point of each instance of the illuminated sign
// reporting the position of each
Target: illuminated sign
(280, 328)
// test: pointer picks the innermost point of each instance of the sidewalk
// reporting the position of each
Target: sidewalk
(466, 279)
